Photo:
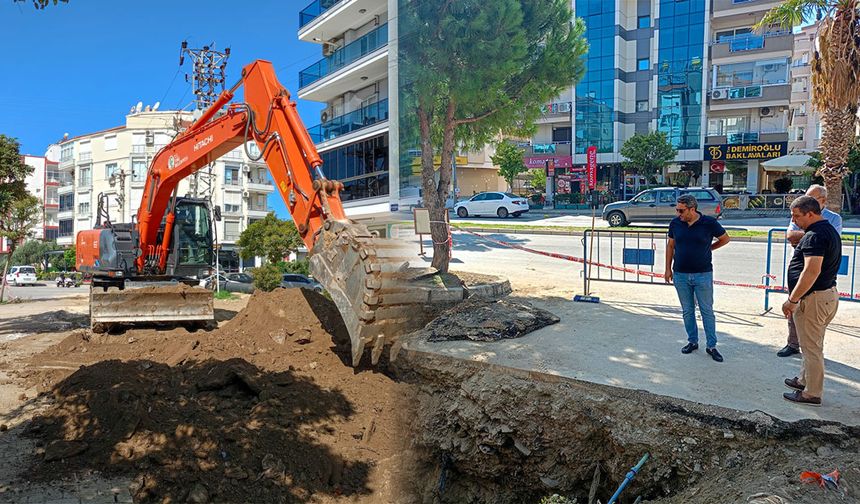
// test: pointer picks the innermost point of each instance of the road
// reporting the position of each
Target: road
(44, 290)
(539, 219)
(739, 262)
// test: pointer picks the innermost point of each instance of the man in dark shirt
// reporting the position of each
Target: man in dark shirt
(812, 295)
(691, 241)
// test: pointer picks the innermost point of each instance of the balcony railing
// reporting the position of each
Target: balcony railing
(352, 121)
(259, 181)
(85, 156)
(314, 10)
(749, 41)
(347, 54)
(138, 149)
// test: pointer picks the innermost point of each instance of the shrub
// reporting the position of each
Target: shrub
(302, 267)
(267, 277)
(783, 185)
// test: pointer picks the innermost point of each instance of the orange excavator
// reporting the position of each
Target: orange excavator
(170, 241)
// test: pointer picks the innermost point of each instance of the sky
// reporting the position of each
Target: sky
(78, 68)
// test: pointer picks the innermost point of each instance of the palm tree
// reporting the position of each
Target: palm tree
(835, 78)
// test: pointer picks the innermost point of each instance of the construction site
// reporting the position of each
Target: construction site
(474, 408)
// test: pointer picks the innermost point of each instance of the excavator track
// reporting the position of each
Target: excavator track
(372, 284)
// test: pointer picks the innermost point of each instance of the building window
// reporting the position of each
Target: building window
(138, 170)
(110, 142)
(643, 64)
(642, 106)
(753, 73)
(66, 228)
(67, 152)
(110, 170)
(362, 167)
(799, 133)
(231, 175)
(228, 208)
(561, 134)
(83, 208)
(85, 177)
(67, 202)
(231, 230)
(720, 126)
(51, 234)
(643, 22)
(261, 202)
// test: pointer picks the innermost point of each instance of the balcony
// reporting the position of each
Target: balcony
(742, 137)
(65, 213)
(725, 8)
(799, 119)
(799, 95)
(260, 185)
(801, 70)
(66, 162)
(255, 211)
(352, 121)
(367, 56)
(66, 189)
(314, 10)
(751, 96)
(85, 156)
(322, 19)
(751, 43)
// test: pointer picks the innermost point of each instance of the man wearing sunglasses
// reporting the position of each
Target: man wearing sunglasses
(689, 266)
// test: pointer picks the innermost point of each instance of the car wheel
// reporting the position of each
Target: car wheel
(462, 212)
(616, 219)
(502, 213)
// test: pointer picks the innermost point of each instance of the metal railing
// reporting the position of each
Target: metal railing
(85, 156)
(623, 256)
(778, 258)
(344, 56)
(314, 10)
(349, 122)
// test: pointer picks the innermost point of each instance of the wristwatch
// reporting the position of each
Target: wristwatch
(793, 302)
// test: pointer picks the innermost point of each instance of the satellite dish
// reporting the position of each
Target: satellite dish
(138, 107)
(65, 136)
(155, 107)
(131, 110)
(147, 109)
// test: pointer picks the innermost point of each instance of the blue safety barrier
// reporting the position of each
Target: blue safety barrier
(776, 280)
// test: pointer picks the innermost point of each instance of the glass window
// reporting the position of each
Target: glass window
(85, 177)
(643, 64)
(66, 228)
(110, 170)
(494, 196)
(231, 175)
(479, 197)
(645, 197)
(642, 106)
(138, 170)
(700, 195)
(643, 22)
(110, 142)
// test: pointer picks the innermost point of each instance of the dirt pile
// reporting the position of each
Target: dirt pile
(264, 409)
(479, 319)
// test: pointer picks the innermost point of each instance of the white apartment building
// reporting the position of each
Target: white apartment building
(114, 162)
(42, 184)
(805, 121)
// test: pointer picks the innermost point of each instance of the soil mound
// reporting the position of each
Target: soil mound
(479, 319)
(263, 409)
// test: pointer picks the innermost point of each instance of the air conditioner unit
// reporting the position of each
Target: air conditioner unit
(246, 168)
(324, 115)
(765, 112)
(246, 194)
(149, 138)
(329, 47)
(719, 94)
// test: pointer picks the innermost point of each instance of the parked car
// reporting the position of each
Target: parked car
(500, 204)
(21, 275)
(658, 205)
(297, 281)
(232, 282)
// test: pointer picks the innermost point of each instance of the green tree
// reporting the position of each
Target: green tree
(41, 4)
(835, 78)
(16, 224)
(267, 277)
(270, 238)
(302, 267)
(473, 70)
(69, 258)
(509, 157)
(648, 153)
(538, 180)
(13, 174)
(33, 252)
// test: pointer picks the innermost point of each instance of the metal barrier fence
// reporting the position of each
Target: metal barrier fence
(638, 251)
(775, 279)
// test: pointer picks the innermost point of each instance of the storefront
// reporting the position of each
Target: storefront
(736, 167)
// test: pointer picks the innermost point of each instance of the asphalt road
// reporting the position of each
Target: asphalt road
(45, 290)
(738, 262)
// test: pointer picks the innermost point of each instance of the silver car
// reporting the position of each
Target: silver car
(295, 280)
(658, 205)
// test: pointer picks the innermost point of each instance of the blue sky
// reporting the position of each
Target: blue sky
(78, 67)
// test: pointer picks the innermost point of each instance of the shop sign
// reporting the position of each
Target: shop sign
(541, 161)
(728, 152)
(556, 108)
(718, 166)
(591, 154)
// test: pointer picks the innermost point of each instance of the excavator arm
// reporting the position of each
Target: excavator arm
(362, 272)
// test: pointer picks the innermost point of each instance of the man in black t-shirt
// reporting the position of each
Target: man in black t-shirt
(812, 298)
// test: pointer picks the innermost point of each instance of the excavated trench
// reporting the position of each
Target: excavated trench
(486, 433)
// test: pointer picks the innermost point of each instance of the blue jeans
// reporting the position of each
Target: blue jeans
(698, 288)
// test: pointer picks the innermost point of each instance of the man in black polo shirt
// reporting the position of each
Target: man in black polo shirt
(813, 298)
(691, 241)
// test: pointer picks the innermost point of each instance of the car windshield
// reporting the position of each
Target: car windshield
(28, 269)
(644, 197)
(512, 195)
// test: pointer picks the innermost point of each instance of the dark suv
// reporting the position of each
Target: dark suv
(658, 205)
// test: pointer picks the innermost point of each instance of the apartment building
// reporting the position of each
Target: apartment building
(358, 135)
(42, 184)
(804, 119)
(114, 162)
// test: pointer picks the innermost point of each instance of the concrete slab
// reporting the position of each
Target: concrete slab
(632, 340)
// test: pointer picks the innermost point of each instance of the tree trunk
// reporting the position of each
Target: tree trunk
(436, 192)
(3, 278)
(836, 141)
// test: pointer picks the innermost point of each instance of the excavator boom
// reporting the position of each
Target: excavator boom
(362, 272)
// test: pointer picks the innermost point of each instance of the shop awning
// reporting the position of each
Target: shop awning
(788, 163)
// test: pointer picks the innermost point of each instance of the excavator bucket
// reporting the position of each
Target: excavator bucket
(371, 282)
(149, 302)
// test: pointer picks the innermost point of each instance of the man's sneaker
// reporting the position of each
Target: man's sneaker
(715, 354)
(788, 351)
(797, 397)
(793, 383)
(689, 348)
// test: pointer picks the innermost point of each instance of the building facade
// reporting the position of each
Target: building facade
(805, 120)
(114, 163)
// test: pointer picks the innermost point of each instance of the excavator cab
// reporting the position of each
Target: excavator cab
(191, 250)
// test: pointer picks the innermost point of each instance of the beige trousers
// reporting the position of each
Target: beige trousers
(811, 318)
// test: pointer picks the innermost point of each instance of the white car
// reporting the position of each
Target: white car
(500, 204)
(21, 275)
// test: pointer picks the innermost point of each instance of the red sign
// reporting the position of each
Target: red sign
(591, 158)
(550, 168)
(540, 161)
(718, 166)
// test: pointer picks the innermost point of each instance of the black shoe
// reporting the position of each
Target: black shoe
(797, 398)
(689, 348)
(788, 351)
(793, 383)
(715, 354)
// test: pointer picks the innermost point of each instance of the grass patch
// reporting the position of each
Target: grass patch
(224, 295)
